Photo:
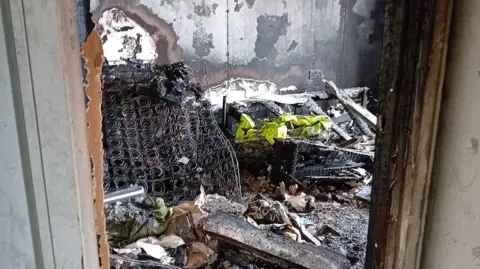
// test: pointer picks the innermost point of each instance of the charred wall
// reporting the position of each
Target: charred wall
(280, 41)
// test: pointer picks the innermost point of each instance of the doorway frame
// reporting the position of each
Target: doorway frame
(413, 67)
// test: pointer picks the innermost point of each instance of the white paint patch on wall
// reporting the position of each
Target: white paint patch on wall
(121, 35)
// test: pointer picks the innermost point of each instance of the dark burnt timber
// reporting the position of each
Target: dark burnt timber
(270, 247)
(410, 93)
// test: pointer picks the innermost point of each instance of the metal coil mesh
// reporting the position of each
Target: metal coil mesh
(164, 139)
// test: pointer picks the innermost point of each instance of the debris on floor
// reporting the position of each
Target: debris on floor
(302, 160)
(188, 236)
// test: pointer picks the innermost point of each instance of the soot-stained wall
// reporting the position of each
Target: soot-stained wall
(276, 40)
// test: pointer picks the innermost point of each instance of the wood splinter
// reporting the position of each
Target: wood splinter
(332, 89)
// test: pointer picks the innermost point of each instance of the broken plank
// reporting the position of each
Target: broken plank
(332, 89)
(268, 246)
(317, 110)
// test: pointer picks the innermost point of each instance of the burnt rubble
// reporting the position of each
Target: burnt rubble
(236, 233)
(304, 199)
(326, 158)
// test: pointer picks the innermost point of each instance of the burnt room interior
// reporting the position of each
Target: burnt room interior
(237, 133)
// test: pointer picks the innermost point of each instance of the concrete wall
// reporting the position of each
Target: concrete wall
(453, 223)
(276, 40)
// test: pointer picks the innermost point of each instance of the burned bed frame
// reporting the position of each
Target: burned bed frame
(413, 67)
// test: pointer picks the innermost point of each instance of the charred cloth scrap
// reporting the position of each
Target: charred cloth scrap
(159, 134)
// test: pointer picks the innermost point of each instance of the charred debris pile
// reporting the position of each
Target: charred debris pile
(176, 155)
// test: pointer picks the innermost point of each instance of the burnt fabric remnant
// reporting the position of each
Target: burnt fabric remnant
(159, 134)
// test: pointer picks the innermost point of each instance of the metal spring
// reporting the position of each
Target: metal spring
(130, 123)
(178, 197)
(147, 135)
(156, 173)
(177, 169)
(116, 133)
(139, 173)
(126, 93)
(210, 148)
(118, 162)
(225, 154)
(195, 192)
(179, 183)
(138, 163)
(106, 184)
(127, 104)
(120, 171)
(171, 150)
(147, 123)
(111, 123)
(159, 108)
(209, 160)
(131, 134)
(108, 106)
(143, 101)
(158, 187)
(144, 184)
(145, 112)
(134, 153)
(116, 153)
(153, 162)
(110, 114)
(108, 96)
(148, 144)
(151, 153)
(121, 183)
(129, 113)
(133, 144)
(114, 142)
(229, 176)
(227, 167)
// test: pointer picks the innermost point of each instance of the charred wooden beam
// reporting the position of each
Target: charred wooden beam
(274, 108)
(317, 110)
(332, 89)
(270, 247)
(361, 124)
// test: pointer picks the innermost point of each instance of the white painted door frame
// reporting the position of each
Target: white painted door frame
(46, 204)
